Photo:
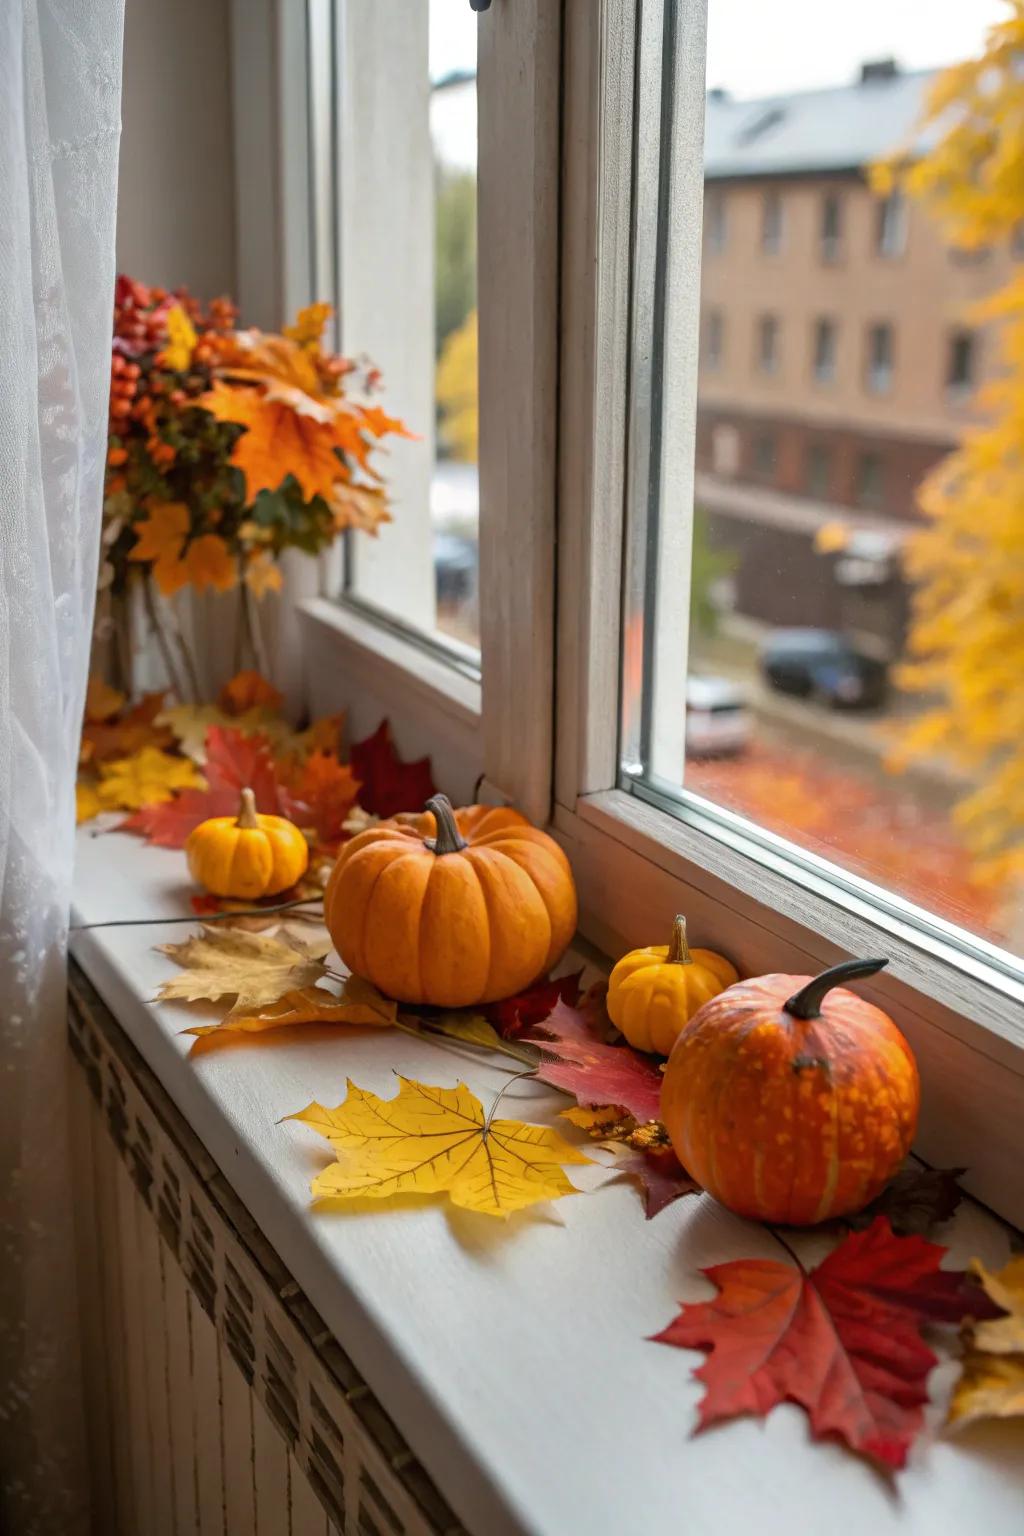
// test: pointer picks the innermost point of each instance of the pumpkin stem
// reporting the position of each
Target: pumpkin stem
(247, 811)
(448, 839)
(806, 1004)
(678, 949)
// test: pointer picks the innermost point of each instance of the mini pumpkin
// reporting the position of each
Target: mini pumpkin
(248, 855)
(451, 908)
(791, 1099)
(654, 992)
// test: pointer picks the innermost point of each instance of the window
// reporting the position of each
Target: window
(831, 226)
(714, 335)
(819, 471)
(891, 225)
(879, 367)
(771, 223)
(767, 344)
(824, 350)
(960, 367)
(715, 222)
(408, 300)
(869, 480)
(764, 455)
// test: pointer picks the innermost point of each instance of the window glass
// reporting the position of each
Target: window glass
(407, 172)
(713, 337)
(834, 527)
(771, 224)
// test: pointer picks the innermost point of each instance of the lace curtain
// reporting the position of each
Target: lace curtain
(60, 97)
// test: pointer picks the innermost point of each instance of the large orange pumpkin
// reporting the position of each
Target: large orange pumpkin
(791, 1099)
(451, 908)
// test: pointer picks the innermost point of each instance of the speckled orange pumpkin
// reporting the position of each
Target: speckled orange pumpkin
(451, 908)
(791, 1099)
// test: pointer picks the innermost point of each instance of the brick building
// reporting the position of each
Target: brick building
(838, 356)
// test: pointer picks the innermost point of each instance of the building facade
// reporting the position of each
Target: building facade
(839, 356)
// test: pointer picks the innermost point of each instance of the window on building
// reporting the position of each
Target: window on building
(768, 344)
(879, 363)
(765, 455)
(891, 225)
(771, 223)
(869, 479)
(714, 339)
(824, 350)
(819, 471)
(961, 363)
(831, 226)
(715, 223)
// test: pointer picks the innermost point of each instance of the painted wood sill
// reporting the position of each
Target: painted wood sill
(514, 1358)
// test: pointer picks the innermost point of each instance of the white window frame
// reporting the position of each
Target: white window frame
(756, 896)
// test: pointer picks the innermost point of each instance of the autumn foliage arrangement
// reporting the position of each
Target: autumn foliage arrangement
(227, 447)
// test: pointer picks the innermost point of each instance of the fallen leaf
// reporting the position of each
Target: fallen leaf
(915, 1201)
(148, 777)
(101, 701)
(249, 690)
(358, 1003)
(387, 784)
(135, 729)
(429, 1141)
(660, 1177)
(223, 961)
(87, 802)
(463, 1024)
(192, 723)
(321, 794)
(843, 1341)
(991, 1384)
(594, 1072)
(515, 1015)
(234, 761)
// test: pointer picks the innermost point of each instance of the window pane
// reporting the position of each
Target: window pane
(407, 169)
(828, 531)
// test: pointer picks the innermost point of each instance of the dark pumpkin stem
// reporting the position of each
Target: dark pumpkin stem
(678, 949)
(448, 839)
(806, 1004)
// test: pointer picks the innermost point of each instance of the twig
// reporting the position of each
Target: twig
(185, 651)
(791, 1251)
(197, 917)
(259, 654)
(156, 625)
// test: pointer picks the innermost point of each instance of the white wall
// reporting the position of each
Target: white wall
(176, 215)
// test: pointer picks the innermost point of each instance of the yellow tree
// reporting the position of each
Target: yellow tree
(966, 640)
(457, 395)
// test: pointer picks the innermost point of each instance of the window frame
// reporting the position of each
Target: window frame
(758, 897)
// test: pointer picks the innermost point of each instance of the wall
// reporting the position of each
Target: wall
(176, 211)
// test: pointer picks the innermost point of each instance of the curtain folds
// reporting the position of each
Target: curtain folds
(60, 90)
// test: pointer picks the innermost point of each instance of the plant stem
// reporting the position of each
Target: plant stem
(782, 1241)
(259, 654)
(207, 917)
(448, 838)
(678, 949)
(506, 1085)
(160, 633)
(188, 659)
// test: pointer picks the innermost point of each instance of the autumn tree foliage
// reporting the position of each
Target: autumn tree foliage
(966, 642)
(457, 397)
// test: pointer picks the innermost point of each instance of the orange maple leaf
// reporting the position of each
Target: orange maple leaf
(279, 440)
(248, 690)
(101, 701)
(209, 564)
(161, 533)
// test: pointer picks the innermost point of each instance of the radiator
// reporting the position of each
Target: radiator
(218, 1402)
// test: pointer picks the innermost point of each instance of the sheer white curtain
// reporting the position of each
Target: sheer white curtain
(60, 97)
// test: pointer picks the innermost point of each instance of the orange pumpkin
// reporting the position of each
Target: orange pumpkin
(451, 908)
(791, 1099)
(654, 992)
(248, 855)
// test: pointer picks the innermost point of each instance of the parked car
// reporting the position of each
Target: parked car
(823, 664)
(717, 718)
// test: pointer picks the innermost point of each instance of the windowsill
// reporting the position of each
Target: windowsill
(463, 1327)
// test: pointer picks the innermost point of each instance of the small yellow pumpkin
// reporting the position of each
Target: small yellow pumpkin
(246, 856)
(653, 993)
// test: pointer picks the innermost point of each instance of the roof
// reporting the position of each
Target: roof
(841, 128)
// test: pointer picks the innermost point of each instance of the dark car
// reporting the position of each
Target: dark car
(822, 664)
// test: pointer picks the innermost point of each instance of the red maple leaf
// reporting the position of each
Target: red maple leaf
(233, 762)
(388, 784)
(660, 1176)
(594, 1072)
(527, 1009)
(843, 1341)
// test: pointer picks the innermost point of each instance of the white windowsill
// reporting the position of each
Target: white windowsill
(514, 1358)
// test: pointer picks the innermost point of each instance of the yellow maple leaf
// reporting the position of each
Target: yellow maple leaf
(429, 1141)
(309, 325)
(189, 724)
(147, 777)
(262, 574)
(101, 701)
(359, 1003)
(161, 533)
(223, 961)
(87, 802)
(181, 340)
(209, 564)
(991, 1384)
